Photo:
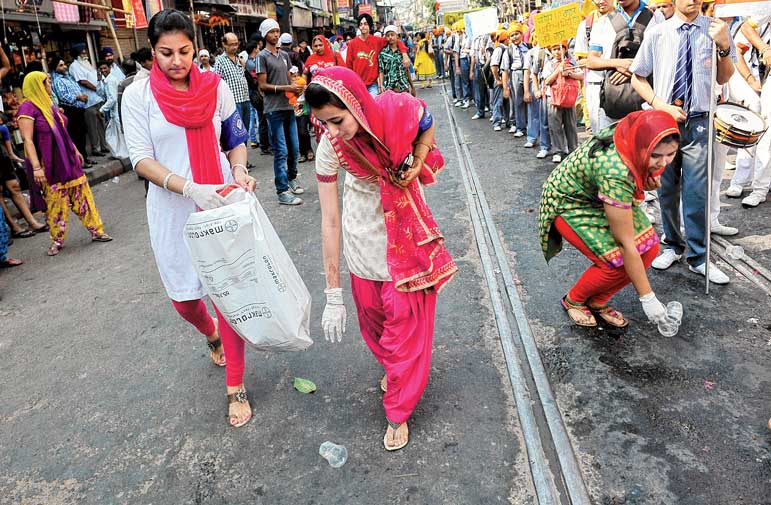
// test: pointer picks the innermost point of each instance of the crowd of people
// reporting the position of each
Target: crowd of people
(636, 76)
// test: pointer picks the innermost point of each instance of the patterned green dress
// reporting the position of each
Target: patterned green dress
(577, 190)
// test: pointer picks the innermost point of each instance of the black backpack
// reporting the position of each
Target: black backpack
(618, 100)
(487, 72)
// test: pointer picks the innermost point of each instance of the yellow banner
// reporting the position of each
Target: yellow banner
(556, 25)
(454, 16)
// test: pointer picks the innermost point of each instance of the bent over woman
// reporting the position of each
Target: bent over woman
(394, 249)
(592, 200)
(185, 136)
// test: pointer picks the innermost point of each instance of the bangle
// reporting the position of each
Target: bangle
(275, 89)
(166, 180)
(653, 100)
(239, 165)
(37, 169)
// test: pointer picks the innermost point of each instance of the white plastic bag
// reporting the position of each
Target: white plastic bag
(249, 276)
(115, 140)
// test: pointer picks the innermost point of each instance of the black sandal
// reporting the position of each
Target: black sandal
(238, 397)
(23, 234)
(213, 345)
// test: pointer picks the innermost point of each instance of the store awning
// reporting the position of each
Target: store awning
(94, 26)
(220, 5)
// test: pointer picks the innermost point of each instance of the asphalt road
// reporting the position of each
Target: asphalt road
(109, 397)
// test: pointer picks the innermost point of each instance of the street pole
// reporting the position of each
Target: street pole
(710, 162)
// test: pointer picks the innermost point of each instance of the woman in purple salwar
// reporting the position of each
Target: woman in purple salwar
(56, 164)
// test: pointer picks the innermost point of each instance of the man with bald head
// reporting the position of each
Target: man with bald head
(232, 72)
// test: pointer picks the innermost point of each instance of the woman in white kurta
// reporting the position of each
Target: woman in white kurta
(172, 123)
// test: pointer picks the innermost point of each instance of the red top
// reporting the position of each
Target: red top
(362, 56)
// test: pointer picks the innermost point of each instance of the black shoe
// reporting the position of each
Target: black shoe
(266, 152)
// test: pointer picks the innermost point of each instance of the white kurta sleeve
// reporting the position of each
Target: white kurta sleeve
(136, 123)
(327, 163)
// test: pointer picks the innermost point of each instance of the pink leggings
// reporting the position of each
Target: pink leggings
(195, 313)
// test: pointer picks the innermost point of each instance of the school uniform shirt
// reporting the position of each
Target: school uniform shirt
(149, 135)
(549, 66)
(514, 58)
(603, 35)
(658, 56)
(581, 47)
(364, 232)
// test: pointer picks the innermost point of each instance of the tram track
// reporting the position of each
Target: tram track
(554, 468)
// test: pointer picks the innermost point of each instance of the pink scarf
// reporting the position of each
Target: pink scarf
(193, 110)
(416, 256)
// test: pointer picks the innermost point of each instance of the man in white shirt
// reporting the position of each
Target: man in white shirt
(85, 74)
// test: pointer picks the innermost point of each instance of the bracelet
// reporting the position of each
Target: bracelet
(166, 180)
(38, 169)
(275, 89)
(239, 165)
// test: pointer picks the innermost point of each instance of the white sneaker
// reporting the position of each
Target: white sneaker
(716, 276)
(542, 154)
(497, 128)
(491, 119)
(477, 116)
(753, 199)
(650, 213)
(519, 133)
(556, 158)
(528, 145)
(721, 229)
(650, 196)
(734, 191)
(666, 259)
(466, 105)
(458, 103)
(512, 129)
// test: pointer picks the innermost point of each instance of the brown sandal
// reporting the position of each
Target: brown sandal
(101, 238)
(238, 397)
(569, 306)
(610, 316)
(394, 427)
(54, 249)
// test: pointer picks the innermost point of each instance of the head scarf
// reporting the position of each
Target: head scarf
(416, 256)
(502, 37)
(268, 25)
(635, 138)
(34, 90)
(328, 58)
(193, 110)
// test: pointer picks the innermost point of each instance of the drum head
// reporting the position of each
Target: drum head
(739, 118)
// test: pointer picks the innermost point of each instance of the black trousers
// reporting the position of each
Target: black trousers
(304, 135)
(76, 126)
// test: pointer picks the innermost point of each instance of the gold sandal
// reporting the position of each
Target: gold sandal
(394, 427)
(238, 397)
(568, 306)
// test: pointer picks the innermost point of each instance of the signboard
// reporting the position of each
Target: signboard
(481, 22)
(452, 17)
(365, 9)
(41, 6)
(731, 8)
(140, 20)
(556, 25)
(343, 4)
(302, 18)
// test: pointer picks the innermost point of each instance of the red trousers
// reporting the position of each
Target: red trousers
(600, 282)
(195, 313)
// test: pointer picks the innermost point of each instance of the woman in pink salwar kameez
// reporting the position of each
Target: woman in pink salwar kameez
(393, 247)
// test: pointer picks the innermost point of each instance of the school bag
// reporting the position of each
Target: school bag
(618, 100)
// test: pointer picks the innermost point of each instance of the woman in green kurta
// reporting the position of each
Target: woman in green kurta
(592, 200)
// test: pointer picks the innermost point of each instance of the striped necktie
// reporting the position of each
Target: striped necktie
(681, 91)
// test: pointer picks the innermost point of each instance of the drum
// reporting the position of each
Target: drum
(737, 126)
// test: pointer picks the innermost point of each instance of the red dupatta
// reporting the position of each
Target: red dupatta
(193, 110)
(635, 138)
(416, 256)
(328, 58)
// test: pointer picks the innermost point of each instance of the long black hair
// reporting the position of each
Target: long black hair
(169, 21)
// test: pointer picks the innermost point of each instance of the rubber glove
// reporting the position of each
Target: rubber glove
(334, 317)
(205, 196)
(653, 308)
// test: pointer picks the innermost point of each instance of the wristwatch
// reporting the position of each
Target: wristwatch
(724, 52)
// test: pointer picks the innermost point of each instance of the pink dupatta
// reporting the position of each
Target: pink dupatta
(416, 256)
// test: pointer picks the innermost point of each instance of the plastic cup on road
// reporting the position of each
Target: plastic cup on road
(675, 311)
(735, 252)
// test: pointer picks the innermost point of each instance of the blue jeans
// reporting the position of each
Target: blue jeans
(373, 90)
(481, 96)
(517, 99)
(686, 178)
(462, 84)
(286, 147)
(500, 114)
(254, 126)
(245, 111)
(439, 63)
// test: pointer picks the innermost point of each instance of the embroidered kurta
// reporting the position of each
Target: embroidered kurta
(364, 231)
(577, 191)
(149, 135)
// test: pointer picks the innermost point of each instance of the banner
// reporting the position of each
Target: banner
(451, 17)
(481, 22)
(730, 8)
(140, 20)
(557, 25)
(118, 17)
(365, 9)
(153, 7)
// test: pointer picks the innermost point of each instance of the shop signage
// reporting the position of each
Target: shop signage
(302, 18)
(42, 6)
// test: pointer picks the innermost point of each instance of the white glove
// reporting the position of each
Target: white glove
(334, 317)
(654, 309)
(204, 195)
